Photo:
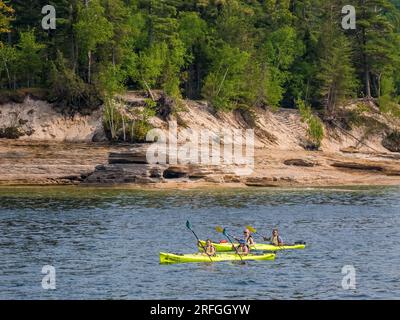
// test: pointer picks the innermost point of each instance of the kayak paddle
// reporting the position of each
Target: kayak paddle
(252, 230)
(225, 233)
(219, 229)
(189, 226)
(230, 240)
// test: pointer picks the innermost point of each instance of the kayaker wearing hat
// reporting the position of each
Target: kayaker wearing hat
(248, 237)
(243, 248)
(209, 248)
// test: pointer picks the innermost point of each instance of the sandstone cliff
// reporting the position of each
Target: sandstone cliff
(58, 149)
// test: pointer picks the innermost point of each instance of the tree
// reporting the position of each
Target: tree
(6, 13)
(226, 80)
(336, 73)
(92, 30)
(235, 53)
(8, 58)
(193, 32)
(29, 55)
(376, 42)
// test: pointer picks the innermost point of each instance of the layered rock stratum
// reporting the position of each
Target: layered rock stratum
(58, 149)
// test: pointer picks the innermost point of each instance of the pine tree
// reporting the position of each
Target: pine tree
(375, 42)
(336, 73)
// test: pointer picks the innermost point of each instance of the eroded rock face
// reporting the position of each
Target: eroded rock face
(299, 163)
(35, 120)
(392, 142)
(136, 157)
(123, 173)
(357, 166)
(132, 167)
(176, 172)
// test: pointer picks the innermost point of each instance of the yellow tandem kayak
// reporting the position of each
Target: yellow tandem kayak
(168, 258)
(224, 247)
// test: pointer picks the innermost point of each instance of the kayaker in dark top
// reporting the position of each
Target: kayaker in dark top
(248, 237)
(210, 249)
(243, 248)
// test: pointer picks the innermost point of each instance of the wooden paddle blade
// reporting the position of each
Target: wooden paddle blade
(251, 229)
(219, 229)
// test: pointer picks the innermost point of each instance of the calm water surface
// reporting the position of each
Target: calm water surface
(105, 243)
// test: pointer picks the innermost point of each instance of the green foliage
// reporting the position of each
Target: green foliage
(389, 101)
(69, 91)
(225, 83)
(337, 80)
(231, 52)
(121, 124)
(142, 126)
(111, 80)
(315, 127)
(5, 17)
(8, 60)
(29, 56)
(92, 28)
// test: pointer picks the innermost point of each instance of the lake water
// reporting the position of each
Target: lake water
(105, 244)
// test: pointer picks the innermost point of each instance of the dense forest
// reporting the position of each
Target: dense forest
(232, 53)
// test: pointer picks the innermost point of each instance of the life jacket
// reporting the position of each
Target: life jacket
(208, 249)
(240, 249)
(248, 239)
(276, 240)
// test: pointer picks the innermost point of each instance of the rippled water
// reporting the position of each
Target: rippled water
(105, 243)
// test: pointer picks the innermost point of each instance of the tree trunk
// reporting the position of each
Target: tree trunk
(113, 56)
(73, 46)
(89, 66)
(367, 76)
(149, 90)
(8, 75)
(367, 81)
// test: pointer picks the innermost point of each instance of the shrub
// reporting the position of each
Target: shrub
(10, 133)
(121, 127)
(70, 93)
(315, 130)
(389, 106)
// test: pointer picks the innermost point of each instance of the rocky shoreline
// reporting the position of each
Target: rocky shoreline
(73, 151)
(125, 165)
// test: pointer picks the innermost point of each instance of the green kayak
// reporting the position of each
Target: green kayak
(168, 258)
(224, 247)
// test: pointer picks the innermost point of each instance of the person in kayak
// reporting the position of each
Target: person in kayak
(209, 248)
(248, 237)
(276, 239)
(242, 248)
